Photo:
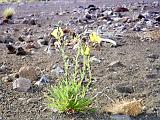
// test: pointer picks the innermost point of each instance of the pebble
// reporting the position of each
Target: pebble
(94, 59)
(21, 39)
(8, 39)
(7, 79)
(42, 42)
(158, 18)
(153, 56)
(11, 49)
(121, 9)
(57, 69)
(28, 72)
(22, 84)
(20, 51)
(43, 80)
(120, 117)
(4, 69)
(29, 21)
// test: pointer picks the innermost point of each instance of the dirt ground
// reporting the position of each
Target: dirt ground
(138, 76)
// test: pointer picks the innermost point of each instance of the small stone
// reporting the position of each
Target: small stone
(32, 22)
(88, 16)
(21, 39)
(8, 39)
(137, 28)
(42, 42)
(120, 117)
(11, 49)
(20, 51)
(153, 74)
(58, 70)
(121, 9)
(21, 84)
(125, 89)
(7, 79)
(116, 64)
(44, 79)
(28, 72)
(94, 59)
(153, 56)
(4, 69)
(158, 19)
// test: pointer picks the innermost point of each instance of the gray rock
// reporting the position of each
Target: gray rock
(21, 84)
(94, 59)
(4, 69)
(44, 80)
(153, 56)
(58, 70)
(42, 42)
(120, 117)
(8, 39)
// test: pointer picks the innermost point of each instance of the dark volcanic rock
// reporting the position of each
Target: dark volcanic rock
(121, 9)
(11, 49)
(20, 51)
(158, 19)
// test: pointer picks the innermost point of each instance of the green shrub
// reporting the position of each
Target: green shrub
(69, 95)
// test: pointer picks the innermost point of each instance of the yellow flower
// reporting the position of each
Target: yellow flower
(95, 38)
(58, 33)
(85, 51)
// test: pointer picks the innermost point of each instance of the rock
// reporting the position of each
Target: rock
(153, 56)
(94, 59)
(158, 18)
(153, 74)
(28, 72)
(44, 79)
(136, 28)
(8, 39)
(120, 117)
(4, 69)
(8, 79)
(92, 7)
(11, 49)
(125, 89)
(57, 69)
(42, 42)
(21, 84)
(32, 22)
(121, 9)
(116, 64)
(20, 51)
(88, 16)
(21, 39)
(149, 23)
(29, 21)
(140, 16)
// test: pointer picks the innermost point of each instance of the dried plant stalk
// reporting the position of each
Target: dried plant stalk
(126, 107)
